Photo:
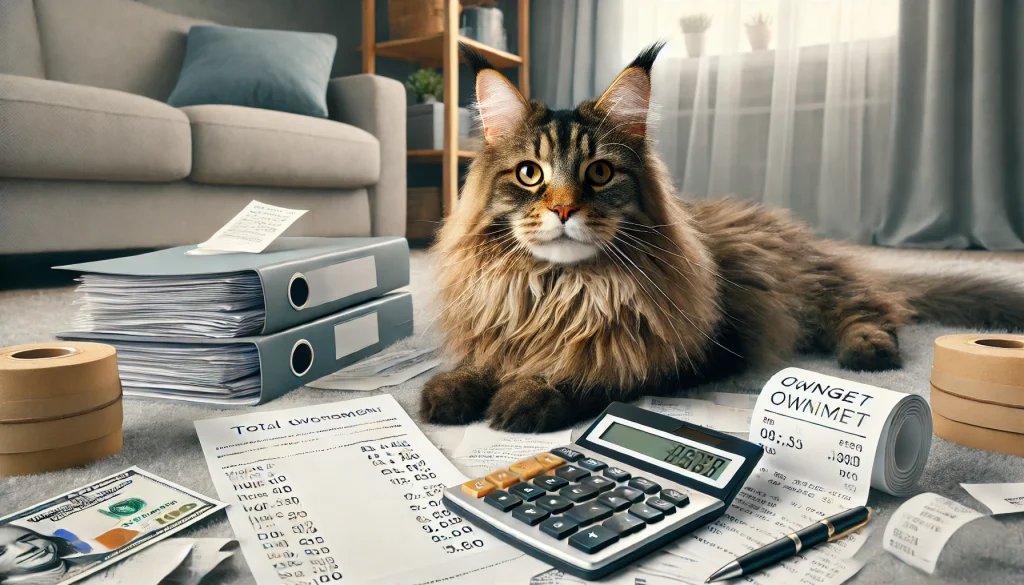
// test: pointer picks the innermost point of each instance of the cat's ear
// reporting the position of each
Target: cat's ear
(627, 100)
(502, 107)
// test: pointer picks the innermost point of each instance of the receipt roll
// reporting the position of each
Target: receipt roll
(60, 405)
(840, 438)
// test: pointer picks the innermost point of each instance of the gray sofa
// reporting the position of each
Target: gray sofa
(91, 158)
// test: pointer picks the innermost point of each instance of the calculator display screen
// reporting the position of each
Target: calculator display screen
(683, 456)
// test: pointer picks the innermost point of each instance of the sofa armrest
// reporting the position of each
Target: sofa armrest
(377, 105)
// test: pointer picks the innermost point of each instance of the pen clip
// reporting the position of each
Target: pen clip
(834, 537)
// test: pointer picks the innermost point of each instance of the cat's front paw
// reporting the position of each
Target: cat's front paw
(867, 347)
(529, 406)
(457, 397)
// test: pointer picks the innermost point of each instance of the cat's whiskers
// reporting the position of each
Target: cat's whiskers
(626, 146)
(483, 245)
(714, 273)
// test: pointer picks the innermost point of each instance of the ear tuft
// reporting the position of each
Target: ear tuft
(627, 100)
(475, 59)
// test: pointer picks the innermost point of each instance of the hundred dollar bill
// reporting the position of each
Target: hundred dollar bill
(67, 538)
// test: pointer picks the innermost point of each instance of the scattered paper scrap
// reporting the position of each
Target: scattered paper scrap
(252, 230)
(484, 449)
(206, 555)
(149, 567)
(705, 413)
(379, 371)
(920, 528)
(1001, 498)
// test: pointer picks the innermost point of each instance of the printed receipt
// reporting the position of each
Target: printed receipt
(336, 493)
(820, 435)
(252, 230)
(484, 449)
(1001, 498)
(920, 528)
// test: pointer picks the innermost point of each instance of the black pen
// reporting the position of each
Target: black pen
(820, 532)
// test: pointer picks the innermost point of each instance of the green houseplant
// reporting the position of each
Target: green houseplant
(426, 84)
(694, 26)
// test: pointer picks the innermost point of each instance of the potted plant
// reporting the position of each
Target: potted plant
(759, 31)
(427, 85)
(694, 26)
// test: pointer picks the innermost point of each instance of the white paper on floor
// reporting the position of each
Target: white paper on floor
(705, 413)
(484, 449)
(1001, 498)
(380, 371)
(921, 526)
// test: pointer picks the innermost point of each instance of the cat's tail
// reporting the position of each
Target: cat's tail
(964, 300)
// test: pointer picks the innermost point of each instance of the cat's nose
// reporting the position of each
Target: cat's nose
(564, 211)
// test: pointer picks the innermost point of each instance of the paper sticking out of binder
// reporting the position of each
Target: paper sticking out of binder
(296, 280)
(245, 371)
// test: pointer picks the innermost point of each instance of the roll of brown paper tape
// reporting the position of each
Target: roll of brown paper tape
(978, 437)
(51, 380)
(985, 367)
(60, 458)
(65, 431)
(979, 414)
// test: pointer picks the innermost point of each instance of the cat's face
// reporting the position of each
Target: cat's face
(563, 183)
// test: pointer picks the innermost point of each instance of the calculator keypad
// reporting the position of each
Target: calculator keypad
(567, 496)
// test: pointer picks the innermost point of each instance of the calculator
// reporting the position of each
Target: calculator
(634, 481)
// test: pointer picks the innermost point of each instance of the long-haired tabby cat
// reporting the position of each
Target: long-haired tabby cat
(572, 275)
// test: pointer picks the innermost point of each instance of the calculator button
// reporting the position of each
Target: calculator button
(617, 474)
(559, 527)
(549, 461)
(676, 497)
(645, 513)
(641, 483)
(571, 472)
(593, 539)
(567, 453)
(503, 478)
(554, 504)
(592, 464)
(478, 488)
(663, 506)
(532, 515)
(601, 484)
(630, 494)
(578, 493)
(527, 468)
(526, 491)
(615, 502)
(589, 513)
(625, 524)
(503, 500)
(550, 482)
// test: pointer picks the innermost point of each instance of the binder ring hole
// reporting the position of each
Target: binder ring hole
(1001, 343)
(302, 357)
(42, 353)
(298, 291)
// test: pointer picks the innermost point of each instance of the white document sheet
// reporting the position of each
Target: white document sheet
(1001, 498)
(921, 526)
(252, 230)
(148, 567)
(381, 370)
(322, 491)
(206, 554)
(705, 413)
(484, 449)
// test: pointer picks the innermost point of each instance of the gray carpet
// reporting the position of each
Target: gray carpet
(159, 437)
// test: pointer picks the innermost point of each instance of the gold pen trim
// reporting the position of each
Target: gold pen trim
(796, 541)
(851, 530)
(831, 529)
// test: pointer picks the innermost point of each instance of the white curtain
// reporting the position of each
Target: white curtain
(803, 124)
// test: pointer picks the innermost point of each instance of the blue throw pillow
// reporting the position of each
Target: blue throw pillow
(270, 69)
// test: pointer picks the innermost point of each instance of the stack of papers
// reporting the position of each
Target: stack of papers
(220, 373)
(223, 305)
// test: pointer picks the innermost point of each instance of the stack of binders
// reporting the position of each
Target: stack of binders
(242, 329)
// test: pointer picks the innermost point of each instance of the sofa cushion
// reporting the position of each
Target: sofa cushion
(20, 50)
(233, 145)
(278, 70)
(54, 130)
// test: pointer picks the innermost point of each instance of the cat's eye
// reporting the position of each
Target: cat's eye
(599, 173)
(529, 173)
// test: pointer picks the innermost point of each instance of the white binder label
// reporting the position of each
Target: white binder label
(341, 280)
(352, 336)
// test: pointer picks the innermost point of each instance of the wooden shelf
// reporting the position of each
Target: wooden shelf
(435, 156)
(428, 51)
